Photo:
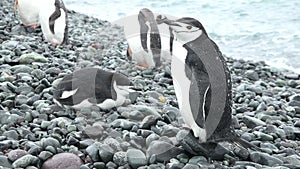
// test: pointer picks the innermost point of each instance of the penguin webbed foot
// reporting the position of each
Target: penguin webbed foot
(211, 150)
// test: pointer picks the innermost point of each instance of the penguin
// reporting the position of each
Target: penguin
(202, 84)
(93, 87)
(149, 44)
(28, 11)
(54, 22)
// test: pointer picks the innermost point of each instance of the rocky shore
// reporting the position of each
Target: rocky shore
(35, 133)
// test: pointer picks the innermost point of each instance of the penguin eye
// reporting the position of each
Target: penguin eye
(189, 27)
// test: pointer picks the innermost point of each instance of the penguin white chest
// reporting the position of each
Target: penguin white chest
(182, 89)
(59, 23)
(29, 11)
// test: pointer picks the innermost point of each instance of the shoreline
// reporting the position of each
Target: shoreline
(266, 106)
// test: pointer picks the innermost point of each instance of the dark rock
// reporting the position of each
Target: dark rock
(252, 75)
(106, 153)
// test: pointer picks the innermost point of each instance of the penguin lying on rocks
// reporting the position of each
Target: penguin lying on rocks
(93, 87)
(202, 86)
(28, 11)
(53, 20)
(150, 43)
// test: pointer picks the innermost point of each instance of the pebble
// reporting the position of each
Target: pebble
(63, 160)
(119, 158)
(136, 158)
(265, 159)
(164, 151)
(252, 122)
(4, 162)
(13, 155)
(122, 123)
(25, 161)
(106, 153)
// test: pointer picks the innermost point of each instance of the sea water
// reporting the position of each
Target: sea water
(260, 30)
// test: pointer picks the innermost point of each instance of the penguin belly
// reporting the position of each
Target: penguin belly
(164, 32)
(182, 90)
(59, 26)
(139, 55)
(29, 12)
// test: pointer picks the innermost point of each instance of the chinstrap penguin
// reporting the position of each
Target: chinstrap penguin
(202, 86)
(93, 87)
(54, 22)
(28, 11)
(150, 45)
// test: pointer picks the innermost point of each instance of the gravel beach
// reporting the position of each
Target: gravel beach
(35, 133)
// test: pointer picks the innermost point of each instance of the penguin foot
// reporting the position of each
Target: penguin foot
(34, 26)
(142, 67)
(55, 44)
(211, 150)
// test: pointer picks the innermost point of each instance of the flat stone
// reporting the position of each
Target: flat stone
(265, 159)
(32, 57)
(252, 122)
(13, 155)
(25, 161)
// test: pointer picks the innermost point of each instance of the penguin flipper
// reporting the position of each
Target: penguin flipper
(56, 14)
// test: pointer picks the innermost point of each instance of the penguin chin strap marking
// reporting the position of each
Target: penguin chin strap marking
(187, 31)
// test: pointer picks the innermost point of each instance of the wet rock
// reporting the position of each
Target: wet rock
(32, 57)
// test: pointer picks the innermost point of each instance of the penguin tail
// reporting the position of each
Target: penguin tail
(233, 137)
(244, 143)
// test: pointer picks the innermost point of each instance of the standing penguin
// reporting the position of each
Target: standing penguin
(202, 85)
(92, 86)
(149, 45)
(28, 11)
(53, 20)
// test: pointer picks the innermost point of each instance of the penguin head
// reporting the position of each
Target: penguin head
(123, 86)
(121, 80)
(185, 29)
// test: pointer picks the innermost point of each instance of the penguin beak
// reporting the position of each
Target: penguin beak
(160, 19)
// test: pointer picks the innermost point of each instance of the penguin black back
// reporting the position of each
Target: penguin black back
(146, 16)
(94, 84)
(55, 15)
